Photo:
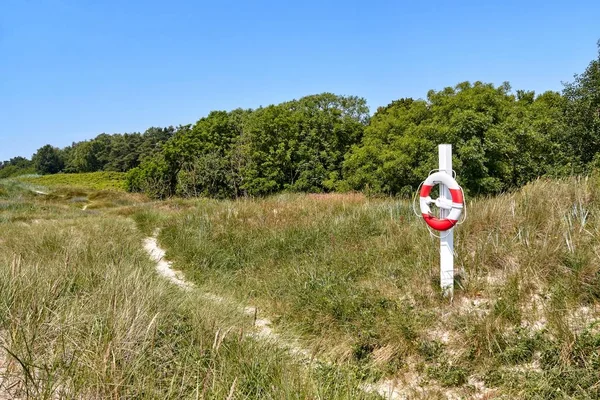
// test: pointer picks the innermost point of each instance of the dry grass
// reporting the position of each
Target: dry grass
(355, 278)
(83, 314)
(358, 278)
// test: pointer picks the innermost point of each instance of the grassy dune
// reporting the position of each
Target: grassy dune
(84, 315)
(358, 279)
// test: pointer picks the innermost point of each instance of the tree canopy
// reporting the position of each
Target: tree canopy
(297, 145)
(48, 160)
(583, 115)
(15, 166)
(502, 139)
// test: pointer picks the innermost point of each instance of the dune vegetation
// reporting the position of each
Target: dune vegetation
(352, 280)
(85, 181)
(84, 315)
(358, 278)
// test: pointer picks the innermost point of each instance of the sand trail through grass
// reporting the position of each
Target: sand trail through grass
(261, 326)
(352, 283)
(389, 389)
(5, 382)
(84, 315)
(164, 267)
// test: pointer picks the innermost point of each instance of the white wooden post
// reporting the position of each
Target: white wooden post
(447, 237)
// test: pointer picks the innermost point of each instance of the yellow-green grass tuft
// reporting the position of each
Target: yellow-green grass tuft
(89, 181)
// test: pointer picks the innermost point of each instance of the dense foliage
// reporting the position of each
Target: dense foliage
(48, 160)
(116, 153)
(582, 115)
(297, 145)
(502, 139)
(16, 166)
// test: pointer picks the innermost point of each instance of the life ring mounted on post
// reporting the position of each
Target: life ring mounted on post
(455, 205)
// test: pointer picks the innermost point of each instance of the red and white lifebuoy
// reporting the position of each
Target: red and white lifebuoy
(455, 207)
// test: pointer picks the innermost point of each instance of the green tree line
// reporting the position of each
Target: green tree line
(117, 152)
(502, 139)
(16, 166)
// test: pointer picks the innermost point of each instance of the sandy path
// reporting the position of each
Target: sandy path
(6, 383)
(262, 326)
(163, 267)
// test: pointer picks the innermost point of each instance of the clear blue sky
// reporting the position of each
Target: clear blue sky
(71, 69)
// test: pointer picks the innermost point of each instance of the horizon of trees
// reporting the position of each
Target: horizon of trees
(326, 142)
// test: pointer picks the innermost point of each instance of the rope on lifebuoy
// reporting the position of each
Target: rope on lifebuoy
(455, 206)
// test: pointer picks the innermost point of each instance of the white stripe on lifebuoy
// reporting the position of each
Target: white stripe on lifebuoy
(456, 205)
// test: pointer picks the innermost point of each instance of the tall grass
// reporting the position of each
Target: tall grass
(358, 278)
(84, 315)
